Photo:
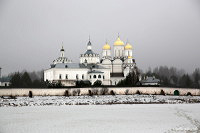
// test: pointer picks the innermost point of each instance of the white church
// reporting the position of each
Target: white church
(107, 68)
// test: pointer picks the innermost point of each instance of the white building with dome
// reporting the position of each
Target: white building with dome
(107, 68)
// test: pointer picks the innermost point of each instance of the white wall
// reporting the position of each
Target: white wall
(119, 51)
(54, 74)
(117, 66)
(90, 59)
(4, 83)
(84, 91)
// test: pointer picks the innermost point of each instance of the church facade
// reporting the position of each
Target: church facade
(91, 67)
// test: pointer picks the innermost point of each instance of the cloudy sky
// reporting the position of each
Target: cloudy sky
(162, 32)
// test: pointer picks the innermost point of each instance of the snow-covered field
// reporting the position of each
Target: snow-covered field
(96, 100)
(129, 118)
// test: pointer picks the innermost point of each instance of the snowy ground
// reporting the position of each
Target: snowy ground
(129, 118)
(96, 100)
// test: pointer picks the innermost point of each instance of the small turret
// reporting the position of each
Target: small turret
(106, 53)
(62, 52)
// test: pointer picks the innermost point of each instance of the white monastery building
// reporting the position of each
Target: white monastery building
(107, 68)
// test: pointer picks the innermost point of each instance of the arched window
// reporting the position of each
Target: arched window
(82, 76)
(76, 76)
(66, 77)
(94, 76)
(99, 76)
(60, 76)
(90, 76)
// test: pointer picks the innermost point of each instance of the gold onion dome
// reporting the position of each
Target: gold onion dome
(128, 46)
(118, 42)
(130, 57)
(106, 47)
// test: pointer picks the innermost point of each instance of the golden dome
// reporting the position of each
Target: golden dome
(118, 42)
(128, 46)
(130, 57)
(106, 47)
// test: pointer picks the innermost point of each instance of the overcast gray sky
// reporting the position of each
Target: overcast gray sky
(162, 32)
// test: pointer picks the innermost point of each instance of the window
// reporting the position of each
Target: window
(66, 77)
(99, 76)
(90, 76)
(60, 76)
(103, 77)
(94, 76)
(76, 76)
(83, 76)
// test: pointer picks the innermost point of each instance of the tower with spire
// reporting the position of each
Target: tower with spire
(62, 52)
(89, 56)
(106, 52)
(110, 69)
(121, 63)
(62, 58)
(118, 48)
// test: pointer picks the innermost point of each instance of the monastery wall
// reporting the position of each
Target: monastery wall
(85, 91)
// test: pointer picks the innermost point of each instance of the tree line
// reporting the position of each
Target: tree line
(27, 80)
(36, 80)
(169, 77)
(132, 79)
(173, 77)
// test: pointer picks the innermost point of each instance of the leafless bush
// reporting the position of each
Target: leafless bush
(189, 94)
(12, 97)
(90, 92)
(95, 91)
(66, 93)
(30, 94)
(78, 91)
(104, 91)
(74, 92)
(126, 92)
(138, 92)
(162, 92)
(112, 92)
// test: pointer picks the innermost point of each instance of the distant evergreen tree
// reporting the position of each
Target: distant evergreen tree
(196, 77)
(185, 81)
(131, 79)
(82, 83)
(173, 81)
(23, 80)
(15, 80)
(26, 80)
(54, 84)
(97, 83)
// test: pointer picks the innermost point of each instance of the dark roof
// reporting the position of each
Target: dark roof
(89, 43)
(94, 71)
(89, 52)
(77, 65)
(116, 75)
(5, 79)
(150, 80)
